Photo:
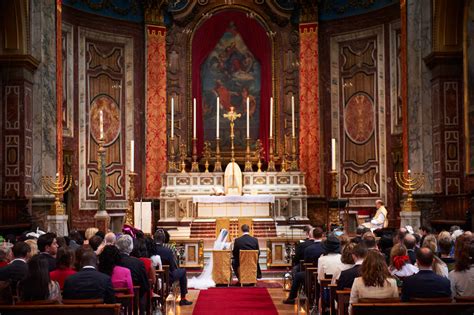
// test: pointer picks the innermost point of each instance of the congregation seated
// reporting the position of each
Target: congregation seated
(361, 230)
(400, 265)
(347, 277)
(5, 253)
(96, 244)
(301, 247)
(426, 283)
(445, 245)
(75, 240)
(64, 262)
(369, 240)
(347, 261)
(140, 251)
(48, 248)
(110, 238)
(90, 232)
(108, 264)
(462, 277)
(375, 281)
(16, 269)
(410, 243)
(37, 284)
(331, 260)
(167, 257)
(88, 282)
(439, 267)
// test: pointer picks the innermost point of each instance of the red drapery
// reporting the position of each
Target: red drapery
(255, 37)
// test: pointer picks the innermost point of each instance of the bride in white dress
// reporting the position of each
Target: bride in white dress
(204, 280)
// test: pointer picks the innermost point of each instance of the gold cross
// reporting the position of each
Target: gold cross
(231, 115)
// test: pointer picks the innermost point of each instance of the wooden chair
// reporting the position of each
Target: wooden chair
(222, 268)
(222, 223)
(248, 261)
(343, 297)
(432, 300)
(241, 221)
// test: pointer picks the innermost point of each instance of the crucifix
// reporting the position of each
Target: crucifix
(231, 115)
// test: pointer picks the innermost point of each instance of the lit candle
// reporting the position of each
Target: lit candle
(333, 154)
(293, 116)
(248, 118)
(57, 175)
(271, 117)
(217, 118)
(101, 125)
(194, 118)
(172, 117)
(132, 155)
(409, 171)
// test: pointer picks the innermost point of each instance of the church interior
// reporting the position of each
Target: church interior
(212, 120)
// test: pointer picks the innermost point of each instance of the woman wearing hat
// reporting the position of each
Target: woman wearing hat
(330, 262)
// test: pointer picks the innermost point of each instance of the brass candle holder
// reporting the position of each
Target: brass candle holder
(57, 186)
(294, 160)
(195, 164)
(409, 182)
(182, 155)
(130, 213)
(217, 164)
(258, 154)
(171, 162)
(207, 155)
(248, 163)
(271, 162)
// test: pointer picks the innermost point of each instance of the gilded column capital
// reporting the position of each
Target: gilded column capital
(308, 11)
(153, 11)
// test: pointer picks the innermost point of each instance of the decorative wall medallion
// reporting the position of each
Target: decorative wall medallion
(359, 118)
(111, 113)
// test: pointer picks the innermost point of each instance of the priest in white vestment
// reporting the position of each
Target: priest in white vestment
(380, 219)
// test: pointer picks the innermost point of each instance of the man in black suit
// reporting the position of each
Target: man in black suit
(346, 279)
(89, 283)
(426, 283)
(48, 246)
(301, 247)
(135, 265)
(245, 242)
(311, 255)
(167, 258)
(17, 269)
(410, 243)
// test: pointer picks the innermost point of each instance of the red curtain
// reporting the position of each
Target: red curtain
(255, 37)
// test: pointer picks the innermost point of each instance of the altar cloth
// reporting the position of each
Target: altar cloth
(235, 199)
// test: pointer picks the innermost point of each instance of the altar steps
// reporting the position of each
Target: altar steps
(207, 230)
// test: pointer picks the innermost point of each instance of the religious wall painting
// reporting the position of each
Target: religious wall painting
(231, 72)
(359, 118)
(469, 90)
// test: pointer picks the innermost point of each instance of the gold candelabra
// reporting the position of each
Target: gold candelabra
(217, 164)
(207, 155)
(232, 116)
(57, 186)
(182, 155)
(271, 162)
(294, 160)
(248, 163)
(171, 162)
(130, 214)
(258, 154)
(194, 164)
(409, 182)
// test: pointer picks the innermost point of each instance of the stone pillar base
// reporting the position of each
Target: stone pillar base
(57, 224)
(412, 218)
(102, 221)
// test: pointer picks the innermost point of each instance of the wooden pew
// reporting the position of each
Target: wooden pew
(310, 283)
(411, 308)
(323, 284)
(59, 309)
(332, 298)
(343, 297)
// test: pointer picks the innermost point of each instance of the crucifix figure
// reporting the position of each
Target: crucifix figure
(231, 115)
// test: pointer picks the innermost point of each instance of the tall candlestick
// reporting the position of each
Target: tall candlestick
(292, 116)
(271, 117)
(194, 118)
(248, 118)
(101, 125)
(217, 118)
(132, 156)
(333, 154)
(172, 117)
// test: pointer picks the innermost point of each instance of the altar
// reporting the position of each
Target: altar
(256, 206)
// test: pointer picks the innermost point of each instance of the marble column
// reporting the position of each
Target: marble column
(156, 109)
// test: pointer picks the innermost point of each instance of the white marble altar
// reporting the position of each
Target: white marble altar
(233, 206)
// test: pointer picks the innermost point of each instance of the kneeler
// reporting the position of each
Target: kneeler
(248, 266)
(222, 223)
(249, 222)
(221, 266)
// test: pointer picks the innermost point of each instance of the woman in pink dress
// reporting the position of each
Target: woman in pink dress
(108, 264)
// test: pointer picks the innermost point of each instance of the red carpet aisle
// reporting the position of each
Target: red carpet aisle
(227, 301)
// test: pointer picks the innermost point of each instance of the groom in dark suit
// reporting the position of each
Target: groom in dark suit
(245, 242)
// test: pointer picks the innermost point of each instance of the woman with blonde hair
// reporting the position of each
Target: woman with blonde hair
(34, 248)
(400, 265)
(375, 282)
(439, 267)
(90, 232)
